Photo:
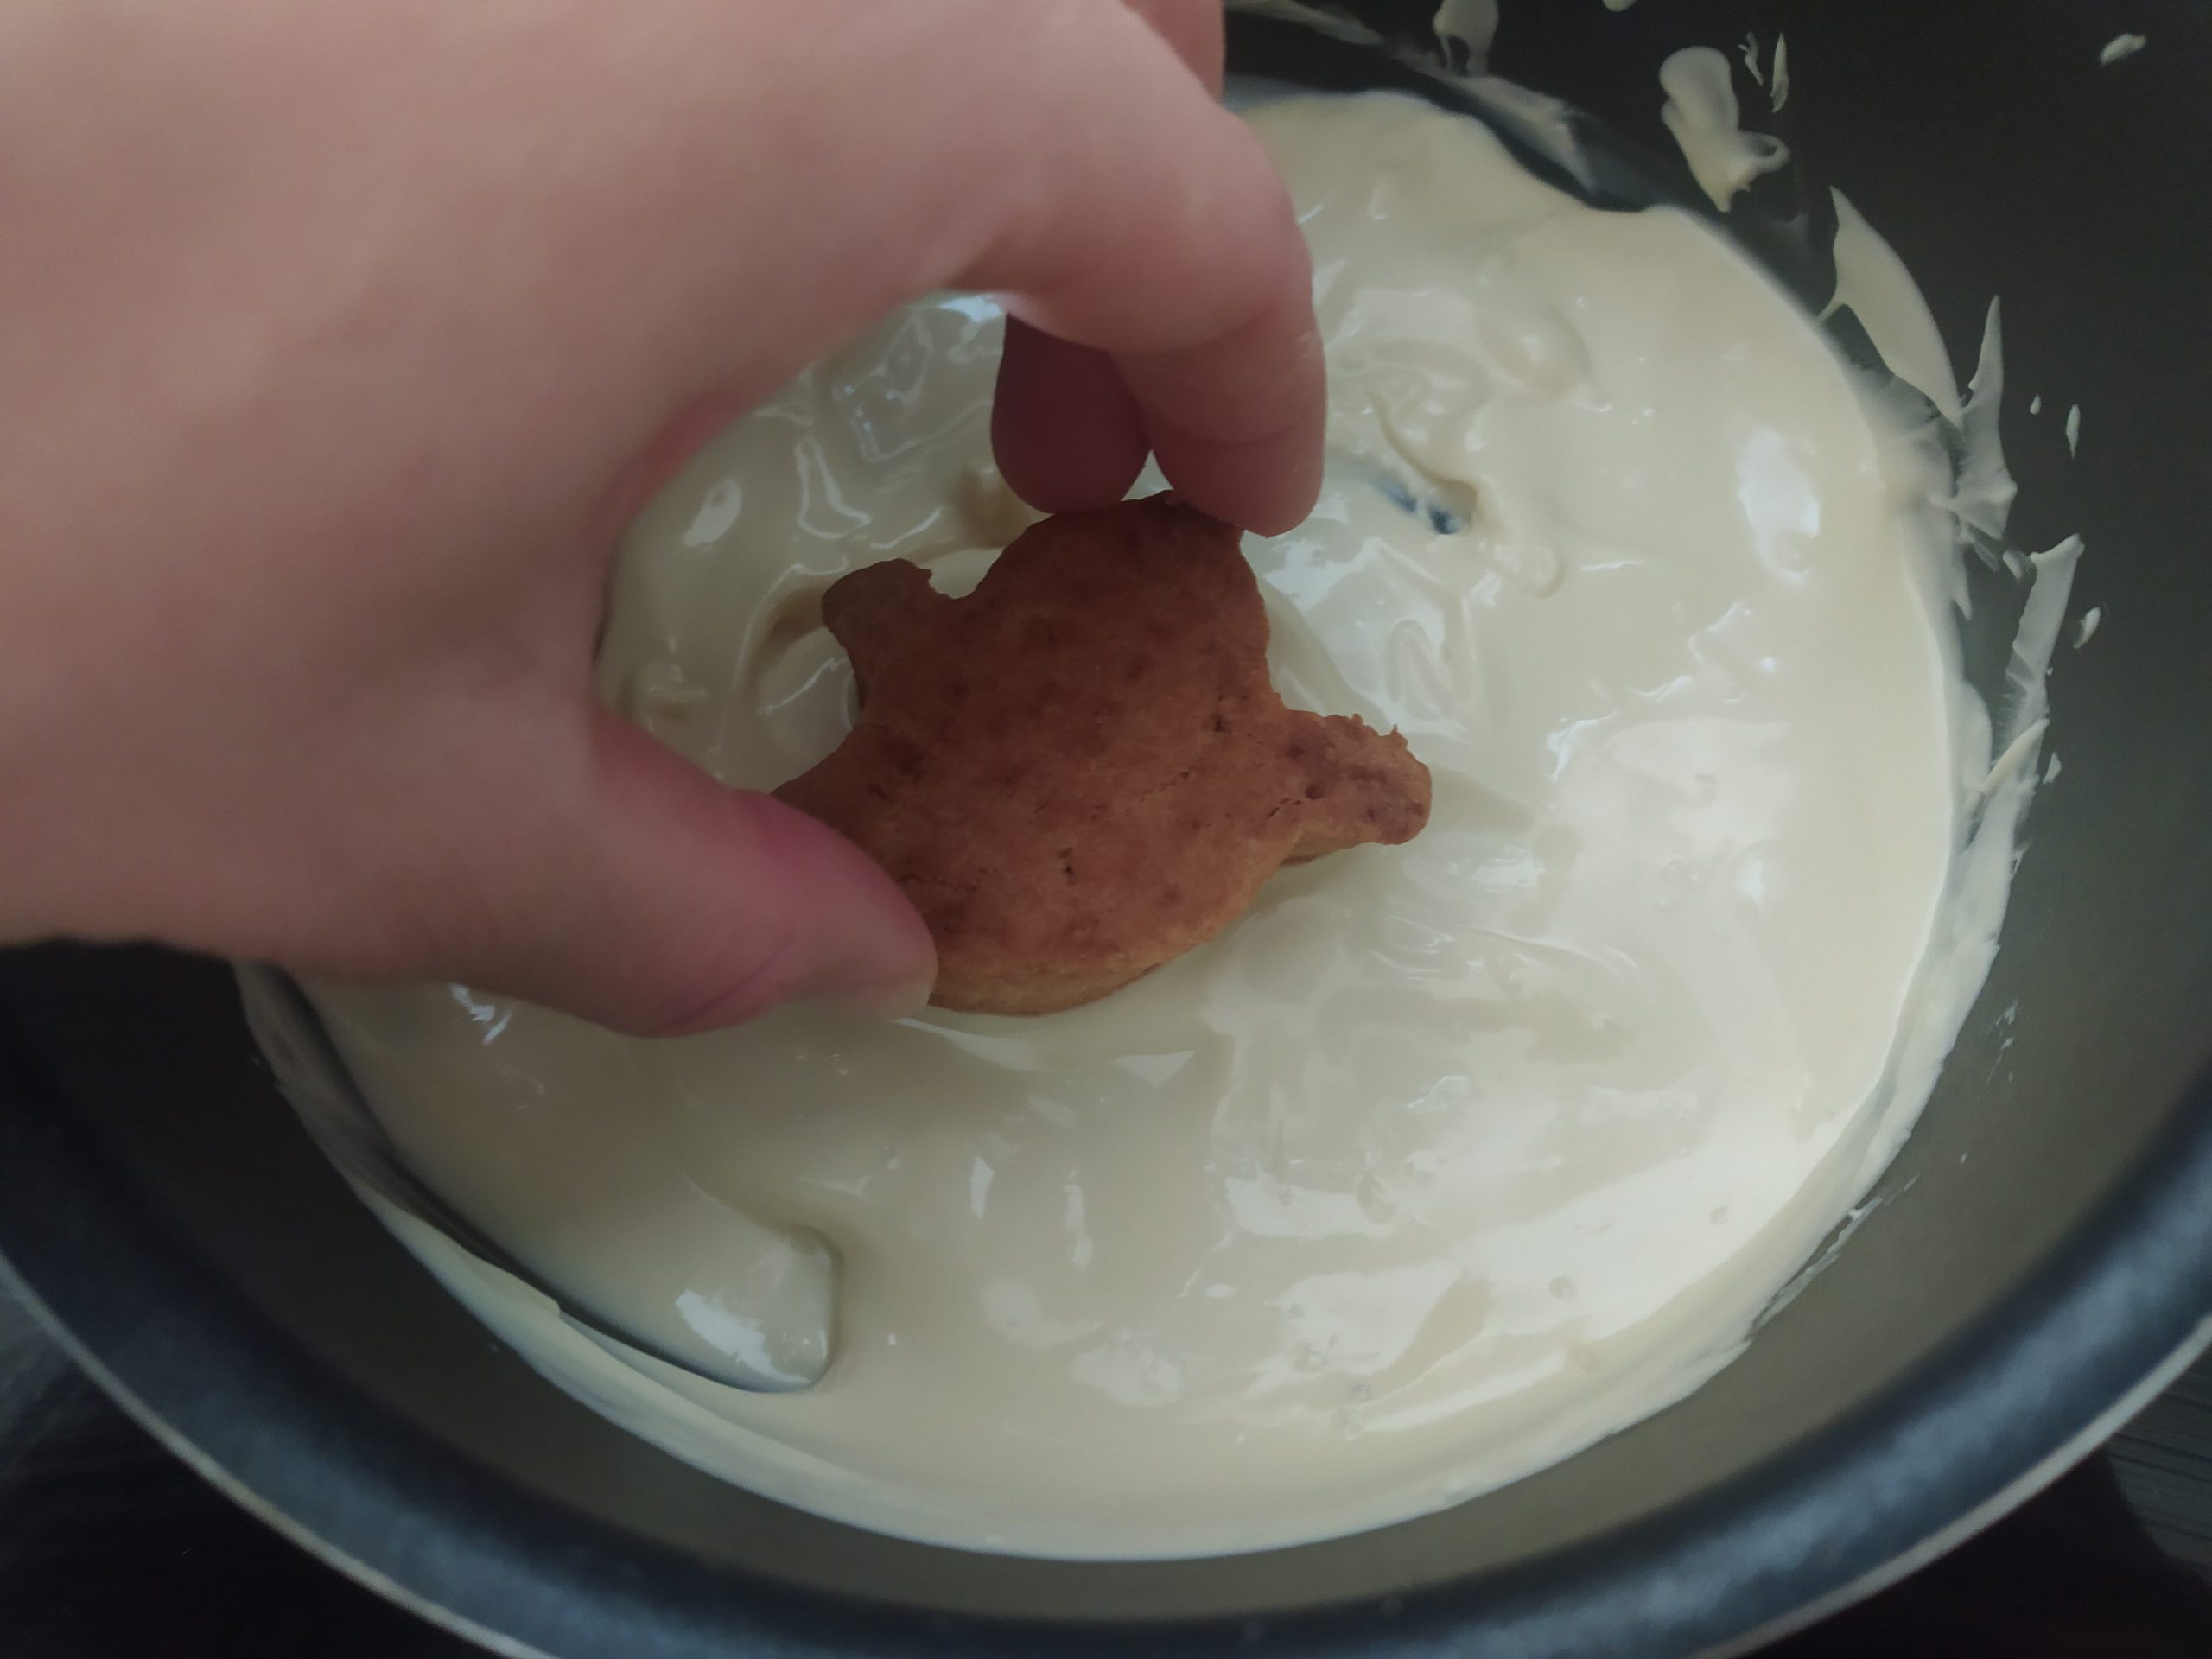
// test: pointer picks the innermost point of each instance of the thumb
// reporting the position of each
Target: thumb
(679, 905)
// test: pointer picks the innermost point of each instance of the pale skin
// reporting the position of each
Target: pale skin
(337, 341)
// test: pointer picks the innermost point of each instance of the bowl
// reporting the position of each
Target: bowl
(2037, 1261)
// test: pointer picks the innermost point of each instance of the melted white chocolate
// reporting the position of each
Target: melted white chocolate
(1449, 1157)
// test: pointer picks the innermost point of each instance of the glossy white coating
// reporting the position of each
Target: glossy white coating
(1448, 1159)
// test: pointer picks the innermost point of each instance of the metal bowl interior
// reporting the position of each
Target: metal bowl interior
(2044, 1244)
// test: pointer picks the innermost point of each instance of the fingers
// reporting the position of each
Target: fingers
(1237, 422)
(1062, 154)
(678, 904)
(1150, 252)
(1157, 233)
(1067, 432)
(1192, 28)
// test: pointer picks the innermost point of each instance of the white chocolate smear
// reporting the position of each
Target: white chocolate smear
(1701, 112)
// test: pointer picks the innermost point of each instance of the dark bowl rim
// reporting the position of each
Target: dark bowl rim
(2029, 1388)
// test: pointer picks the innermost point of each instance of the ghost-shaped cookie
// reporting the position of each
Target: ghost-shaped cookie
(1081, 770)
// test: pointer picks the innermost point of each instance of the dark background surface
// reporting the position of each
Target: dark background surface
(110, 1548)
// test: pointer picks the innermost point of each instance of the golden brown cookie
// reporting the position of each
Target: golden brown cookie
(1081, 771)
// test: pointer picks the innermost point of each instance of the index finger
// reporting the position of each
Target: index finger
(1153, 229)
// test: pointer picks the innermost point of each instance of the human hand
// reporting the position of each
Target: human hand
(342, 340)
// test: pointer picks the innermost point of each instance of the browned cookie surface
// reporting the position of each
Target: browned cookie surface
(1081, 771)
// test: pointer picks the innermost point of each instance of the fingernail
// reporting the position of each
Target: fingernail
(898, 999)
